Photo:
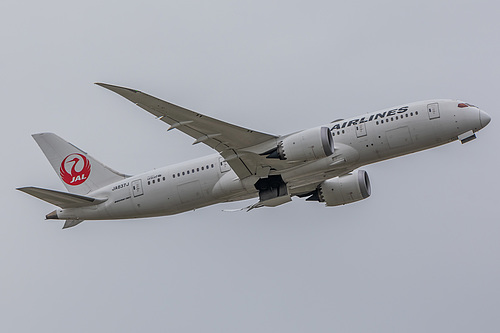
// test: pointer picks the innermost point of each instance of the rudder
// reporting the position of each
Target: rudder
(78, 171)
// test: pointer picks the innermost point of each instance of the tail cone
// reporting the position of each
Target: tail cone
(52, 216)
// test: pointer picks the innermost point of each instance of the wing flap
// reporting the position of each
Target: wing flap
(61, 199)
(236, 163)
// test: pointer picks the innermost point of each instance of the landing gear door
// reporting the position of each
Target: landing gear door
(433, 110)
(137, 188)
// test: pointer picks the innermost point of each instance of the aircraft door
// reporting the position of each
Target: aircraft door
(361, 130)
(137, 188)
(433, 110)
(224, 166)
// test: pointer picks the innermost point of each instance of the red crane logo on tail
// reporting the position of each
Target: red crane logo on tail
(69, 173)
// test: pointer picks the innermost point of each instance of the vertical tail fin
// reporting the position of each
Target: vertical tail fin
(78, 171)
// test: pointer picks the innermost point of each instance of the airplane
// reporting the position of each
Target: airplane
(319, 164)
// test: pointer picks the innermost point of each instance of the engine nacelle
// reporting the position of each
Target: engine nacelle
(308, 145)
(345, 189)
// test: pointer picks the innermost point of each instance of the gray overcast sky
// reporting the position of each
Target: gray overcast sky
(420, 255)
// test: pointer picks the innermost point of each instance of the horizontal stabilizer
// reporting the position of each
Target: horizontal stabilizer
(61, 199)
(71, 223)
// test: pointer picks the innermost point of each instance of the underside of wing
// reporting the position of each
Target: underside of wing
(217, 134)
(229, 140)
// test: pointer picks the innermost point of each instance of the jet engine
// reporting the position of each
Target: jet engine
(344, 189)
(308, 145)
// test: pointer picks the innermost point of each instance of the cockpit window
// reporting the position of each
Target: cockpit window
(464, 105)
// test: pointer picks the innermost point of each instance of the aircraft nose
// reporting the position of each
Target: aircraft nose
(484, 118)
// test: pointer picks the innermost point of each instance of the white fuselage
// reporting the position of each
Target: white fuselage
(358, 141)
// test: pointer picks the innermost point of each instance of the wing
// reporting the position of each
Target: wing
(231, 141)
